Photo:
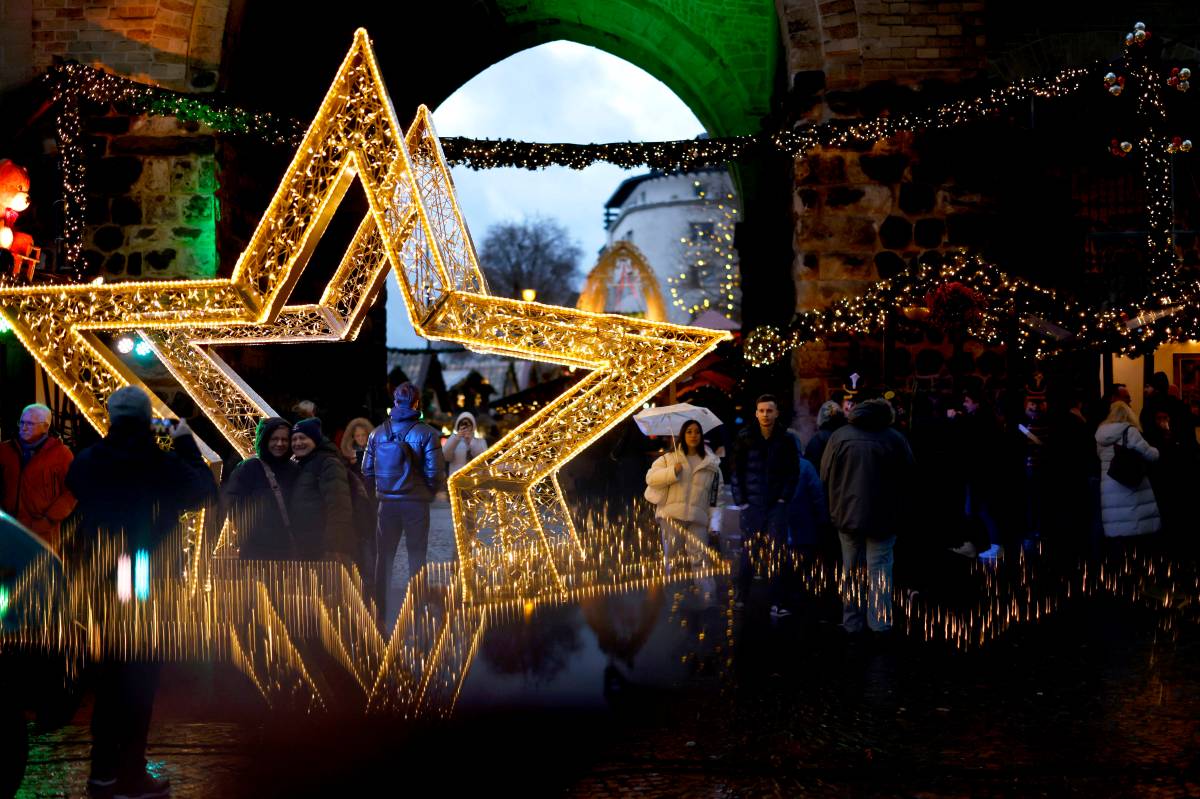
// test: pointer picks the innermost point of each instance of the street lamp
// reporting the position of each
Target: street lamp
(529, 295)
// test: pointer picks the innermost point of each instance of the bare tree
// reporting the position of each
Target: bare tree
(536, 253)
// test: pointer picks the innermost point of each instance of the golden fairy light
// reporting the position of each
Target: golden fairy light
(515, 535)
(509, 497)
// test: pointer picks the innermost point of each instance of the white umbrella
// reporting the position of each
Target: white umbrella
(667, 420)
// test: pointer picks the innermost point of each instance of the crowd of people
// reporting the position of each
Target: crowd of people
(1070, 479)
(1066, 477)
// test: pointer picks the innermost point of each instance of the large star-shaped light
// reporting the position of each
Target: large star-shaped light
(515, 535)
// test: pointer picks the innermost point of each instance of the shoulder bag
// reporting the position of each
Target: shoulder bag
(1127, 467)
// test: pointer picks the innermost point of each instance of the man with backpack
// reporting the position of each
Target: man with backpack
(404, 463)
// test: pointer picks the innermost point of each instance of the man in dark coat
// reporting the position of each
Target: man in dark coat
(865, 469)
(127, 484)
(765, 472)
(404, 462)
(321, 512)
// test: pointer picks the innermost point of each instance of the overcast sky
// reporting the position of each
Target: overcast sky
(556, 92)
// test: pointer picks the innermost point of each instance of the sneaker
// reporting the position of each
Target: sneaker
(143, 787)
(101, 787)
(967, 550)
(994, 552)
(779, 613)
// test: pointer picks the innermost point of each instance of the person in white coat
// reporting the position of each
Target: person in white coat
(463, 445)
(688, 479)
(1125, 511)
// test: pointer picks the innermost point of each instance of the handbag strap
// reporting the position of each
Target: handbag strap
(287, 522)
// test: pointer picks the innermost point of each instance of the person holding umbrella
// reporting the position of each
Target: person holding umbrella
(684, 484)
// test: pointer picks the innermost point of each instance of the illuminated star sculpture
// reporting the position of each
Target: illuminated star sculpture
(514, 533)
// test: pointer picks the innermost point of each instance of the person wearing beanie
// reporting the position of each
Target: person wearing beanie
(320, 508)
(830, 417)
(404, 463)
(257, 493)
(127, 485)
(464, 445)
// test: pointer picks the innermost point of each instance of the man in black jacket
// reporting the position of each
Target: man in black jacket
(765, 472)
(127, 485)
(404, 462)
(867, 470)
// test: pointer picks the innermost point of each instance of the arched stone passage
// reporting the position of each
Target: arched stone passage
(722, 57)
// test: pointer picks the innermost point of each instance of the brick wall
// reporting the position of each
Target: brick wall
(174, 43)
(909, 41)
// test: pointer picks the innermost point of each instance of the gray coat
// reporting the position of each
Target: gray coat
(866, 468)
(1124, 510)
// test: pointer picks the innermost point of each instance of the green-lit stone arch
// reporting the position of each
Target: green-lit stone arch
(722, 57)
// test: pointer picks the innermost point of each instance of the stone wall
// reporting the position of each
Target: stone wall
(860, 216)
(151, 198)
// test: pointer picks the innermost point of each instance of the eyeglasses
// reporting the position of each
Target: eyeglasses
(24, 423)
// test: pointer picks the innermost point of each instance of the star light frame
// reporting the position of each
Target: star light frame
(507, 499)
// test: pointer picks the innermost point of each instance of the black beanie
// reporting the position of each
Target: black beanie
(309, 427)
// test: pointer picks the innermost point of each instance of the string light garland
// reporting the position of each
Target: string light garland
(1033, 318)
(76, 87)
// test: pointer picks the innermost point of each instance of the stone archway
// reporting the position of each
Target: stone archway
(722, 57)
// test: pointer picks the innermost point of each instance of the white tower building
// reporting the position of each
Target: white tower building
(683, 224)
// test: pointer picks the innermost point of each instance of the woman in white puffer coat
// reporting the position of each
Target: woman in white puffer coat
(1125, 511)
(686, 477)
(462, 446)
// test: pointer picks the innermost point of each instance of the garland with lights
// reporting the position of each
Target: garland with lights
(1001, 309)
(75, 87)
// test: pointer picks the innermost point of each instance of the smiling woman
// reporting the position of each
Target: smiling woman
(559, 91)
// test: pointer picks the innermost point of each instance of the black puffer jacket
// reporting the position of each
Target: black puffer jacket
(322, 517)
(248, 497)
(765, 470)
(404, 459)
(867, 471)
(126, 483)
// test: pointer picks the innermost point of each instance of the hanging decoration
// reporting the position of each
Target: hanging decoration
(14, 198)
(954, 308)
(77, 88)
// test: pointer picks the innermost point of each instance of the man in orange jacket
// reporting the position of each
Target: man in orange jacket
(33, 467)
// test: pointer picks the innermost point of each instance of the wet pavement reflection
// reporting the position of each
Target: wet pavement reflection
(669, 690)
